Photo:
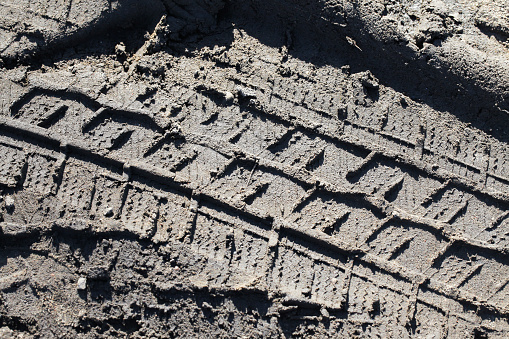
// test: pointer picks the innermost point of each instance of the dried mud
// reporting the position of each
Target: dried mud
(254, 169)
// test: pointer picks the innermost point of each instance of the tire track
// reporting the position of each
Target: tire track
(313, 236)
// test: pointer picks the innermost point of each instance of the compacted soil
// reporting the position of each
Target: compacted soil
(209, 168)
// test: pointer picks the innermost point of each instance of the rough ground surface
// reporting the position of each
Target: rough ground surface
(254, 169)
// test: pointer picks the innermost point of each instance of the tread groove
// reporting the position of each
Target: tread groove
(315, 160)
(54, 117)
(333, 227)
(468, 275)
(121, 140)
(256, 192)
(355, 174)
(393, 189)
(400, 248)
(461, 210)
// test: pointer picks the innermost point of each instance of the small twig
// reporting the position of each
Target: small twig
(352, 43)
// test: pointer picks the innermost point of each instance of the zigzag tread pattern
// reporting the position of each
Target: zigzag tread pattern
(266, 209)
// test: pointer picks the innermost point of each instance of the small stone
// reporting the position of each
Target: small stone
(9, 202)
(273, 240)
(108, 212)
(228, 97)
(369, 81)
(82, 284)
(244, 92)
(206, 305)
(120, 49)
(324, 313)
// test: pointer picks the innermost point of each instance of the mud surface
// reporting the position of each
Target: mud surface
(254, 169)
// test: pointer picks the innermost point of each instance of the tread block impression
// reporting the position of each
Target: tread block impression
(199, 163)
(238, 256)
(140, 211)
(65, 113)
(77, 190)
(336, 162)
(295, 148)
(41, 171)
(259, 134)
(410, 245)
(293, 272)
(11, 165)
(447, 204)
(472, 270)
(340, 217)
(173, 216)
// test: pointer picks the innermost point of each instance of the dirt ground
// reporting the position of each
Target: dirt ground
(246, 169)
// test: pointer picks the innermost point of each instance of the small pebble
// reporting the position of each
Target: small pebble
(228, 97)
(82, 284)
(245, 92)
(9, 202)
(306, 291)
(120, 49)
(108, 212)
(206, 305)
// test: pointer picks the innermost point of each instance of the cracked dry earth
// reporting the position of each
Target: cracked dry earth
(254, 169)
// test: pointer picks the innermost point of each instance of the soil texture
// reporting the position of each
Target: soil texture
(211, 168)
